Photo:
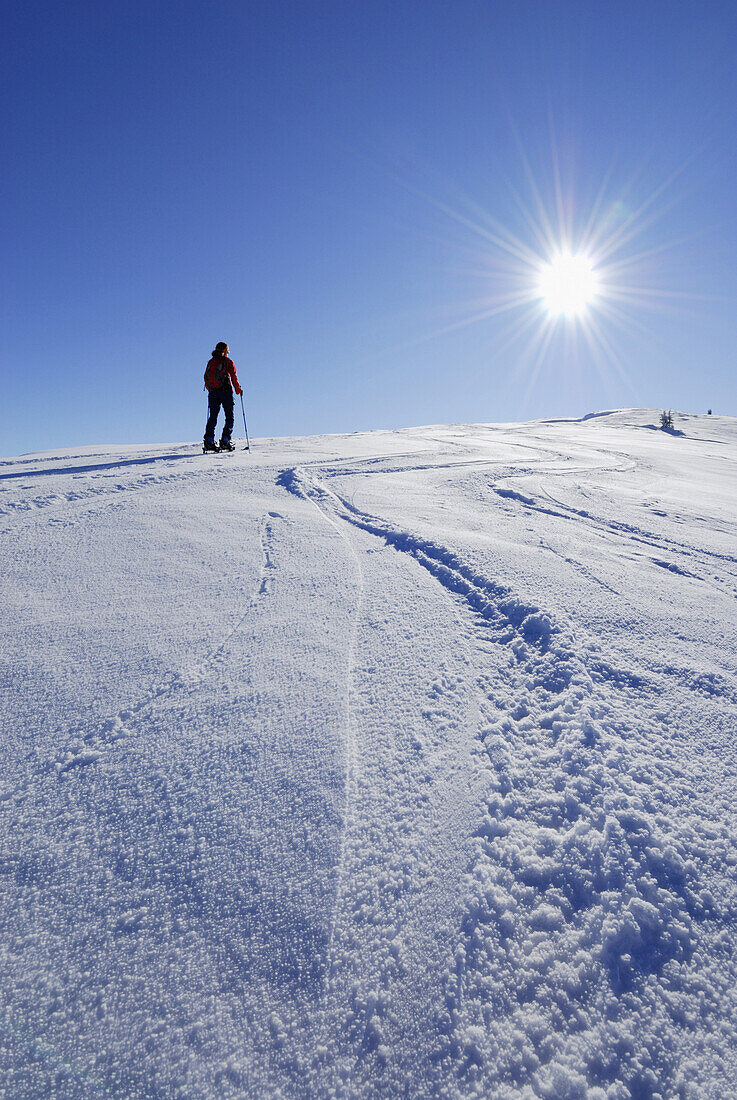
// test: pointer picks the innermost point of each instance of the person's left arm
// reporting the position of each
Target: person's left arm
(234, 377)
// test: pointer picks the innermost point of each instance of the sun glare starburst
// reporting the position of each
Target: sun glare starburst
(568, 281)
(566, 278)
(568, 284)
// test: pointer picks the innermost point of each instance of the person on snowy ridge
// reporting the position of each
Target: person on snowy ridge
(220, 380)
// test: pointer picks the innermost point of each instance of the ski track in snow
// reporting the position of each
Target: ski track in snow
(626, 530)
(88, 746)
(629, 533)
(350, 740)
(114, 490)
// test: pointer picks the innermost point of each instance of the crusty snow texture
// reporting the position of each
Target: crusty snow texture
(398, 764)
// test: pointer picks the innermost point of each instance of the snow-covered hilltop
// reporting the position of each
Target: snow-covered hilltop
(397, 764)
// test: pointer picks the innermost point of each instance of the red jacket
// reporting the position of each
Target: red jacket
(220, 372)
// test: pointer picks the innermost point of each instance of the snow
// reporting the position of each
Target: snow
(388, 764)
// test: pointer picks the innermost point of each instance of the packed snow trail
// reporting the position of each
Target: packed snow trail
(394, 764)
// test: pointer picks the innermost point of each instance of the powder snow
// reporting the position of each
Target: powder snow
(393, 764)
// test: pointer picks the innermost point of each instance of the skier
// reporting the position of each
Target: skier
(220, 380)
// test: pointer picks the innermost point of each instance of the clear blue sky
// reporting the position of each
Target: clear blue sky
(306, 179)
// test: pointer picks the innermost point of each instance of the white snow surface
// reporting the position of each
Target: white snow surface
(393, 764)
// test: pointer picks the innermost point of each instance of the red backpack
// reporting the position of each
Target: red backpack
(216, 374)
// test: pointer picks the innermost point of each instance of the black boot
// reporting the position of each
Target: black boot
(209, 445)
(226, 445)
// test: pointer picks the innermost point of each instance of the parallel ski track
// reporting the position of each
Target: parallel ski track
(485, 597)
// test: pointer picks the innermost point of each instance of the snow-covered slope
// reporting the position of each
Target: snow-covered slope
(390, 764)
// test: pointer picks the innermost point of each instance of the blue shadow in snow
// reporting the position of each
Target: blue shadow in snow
(94, 467)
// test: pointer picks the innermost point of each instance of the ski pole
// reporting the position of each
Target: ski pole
(248, 442)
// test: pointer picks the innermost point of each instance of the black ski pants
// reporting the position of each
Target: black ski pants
(215, 399)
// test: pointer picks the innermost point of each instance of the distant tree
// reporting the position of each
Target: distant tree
(666, 421)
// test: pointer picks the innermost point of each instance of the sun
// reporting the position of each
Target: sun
(563, 283)
(568, 284)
